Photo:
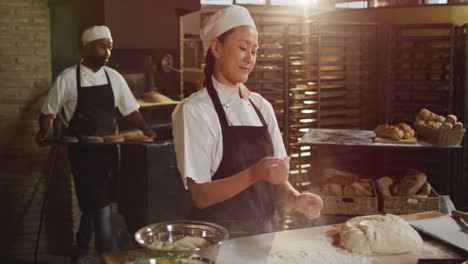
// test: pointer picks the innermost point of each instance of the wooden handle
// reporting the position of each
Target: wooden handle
(460, 214)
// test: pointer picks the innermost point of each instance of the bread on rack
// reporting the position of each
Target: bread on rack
(70, 139)
(395, 132)
(338, 183)
(91, 139)
(113, 138)
(412, 184)
(358, 189)
(332, 189)
(384, 185)
(432, 120)
(409, 184)
(338, 177)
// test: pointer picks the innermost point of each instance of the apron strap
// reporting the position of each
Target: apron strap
(78, 76)
(219, 108)
(217, 104)
(259, 114)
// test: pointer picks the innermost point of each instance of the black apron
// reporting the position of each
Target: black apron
(252, 211)
(93, 166)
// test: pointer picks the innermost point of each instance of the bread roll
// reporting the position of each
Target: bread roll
(425, 114)
(404, 127)
(141, 138)
(451, 119)
(446, 126)
(425, 190)
(67, 139)
(113, 138)
(421, 122)
(129, 136)
(440, 118)
(338, 177)
(389, 131)
(384, 185)
(409, 184)
(332, 189)
(458, 126)
(436, 125)
(91, 139)
(358, 189)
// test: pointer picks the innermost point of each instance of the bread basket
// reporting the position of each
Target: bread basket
(444, 137)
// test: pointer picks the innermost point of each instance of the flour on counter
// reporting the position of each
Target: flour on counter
(315, 250)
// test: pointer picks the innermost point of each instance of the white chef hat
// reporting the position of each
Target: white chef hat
(224, 20)
(95, 32)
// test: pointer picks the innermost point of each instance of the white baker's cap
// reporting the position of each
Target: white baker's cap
(95, 32)
(224, 20)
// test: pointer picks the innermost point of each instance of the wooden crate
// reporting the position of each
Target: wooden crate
(410, 204)
(347, 205)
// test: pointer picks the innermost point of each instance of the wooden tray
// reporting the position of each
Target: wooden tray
(391, 141)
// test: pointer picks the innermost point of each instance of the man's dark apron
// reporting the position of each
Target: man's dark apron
(253, 210)
(93, 166)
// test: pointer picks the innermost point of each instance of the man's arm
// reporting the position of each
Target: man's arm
(45, 122)
(137, 120)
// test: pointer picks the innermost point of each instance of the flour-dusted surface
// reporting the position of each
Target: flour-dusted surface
(316, 250)
(313, 245)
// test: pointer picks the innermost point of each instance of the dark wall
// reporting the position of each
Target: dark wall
(142, 24)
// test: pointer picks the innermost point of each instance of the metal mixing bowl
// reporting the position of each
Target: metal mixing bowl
(170, 232)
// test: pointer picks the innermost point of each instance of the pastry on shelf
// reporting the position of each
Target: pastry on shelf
(399, 133)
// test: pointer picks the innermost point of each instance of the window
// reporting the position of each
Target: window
(291, 2)
(357, 4)
(251, 2)
(258, 2)
(216, 2)
(436, 2)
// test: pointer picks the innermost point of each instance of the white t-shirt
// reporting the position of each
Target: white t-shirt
(197, 132)
(63, 92)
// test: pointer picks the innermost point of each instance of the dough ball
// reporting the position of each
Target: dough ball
(384, 234)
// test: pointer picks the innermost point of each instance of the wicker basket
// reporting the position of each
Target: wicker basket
(347, 205)
(410, 204)
(439, 136)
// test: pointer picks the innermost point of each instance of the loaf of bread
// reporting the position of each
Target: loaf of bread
(425, 114)
(68, 139)
(91, 139)
(451, 119)
(384, 185)
(389, 131)
(458, 126)
(339, 177)
(141, 138)
(409, 184)
(424, 191)
(113, 138)
(358, 189)
(408, 131)
(332, 189)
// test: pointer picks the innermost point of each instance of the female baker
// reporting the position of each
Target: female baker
(229, 148)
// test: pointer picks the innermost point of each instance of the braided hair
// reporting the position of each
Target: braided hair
(210, 60)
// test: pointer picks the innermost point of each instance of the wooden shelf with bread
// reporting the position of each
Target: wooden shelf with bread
(346, 193)
(431, 131)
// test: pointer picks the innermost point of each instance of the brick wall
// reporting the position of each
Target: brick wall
(25, 70)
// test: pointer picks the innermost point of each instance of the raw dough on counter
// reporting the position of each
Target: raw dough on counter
(387, 234)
